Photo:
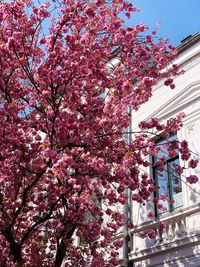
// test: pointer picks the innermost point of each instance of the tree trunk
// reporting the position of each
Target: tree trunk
(61, 249)
(15, 249)
(60, 254)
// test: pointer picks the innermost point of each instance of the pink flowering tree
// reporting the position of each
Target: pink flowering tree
(69, 71)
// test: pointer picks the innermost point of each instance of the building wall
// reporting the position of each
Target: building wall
(179, 243)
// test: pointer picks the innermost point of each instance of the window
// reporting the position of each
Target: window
(168, 181)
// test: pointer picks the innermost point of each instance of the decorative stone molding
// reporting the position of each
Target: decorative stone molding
(190, 127)
(189, 96)
(174, 232)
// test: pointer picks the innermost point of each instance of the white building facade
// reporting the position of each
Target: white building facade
(178, 243)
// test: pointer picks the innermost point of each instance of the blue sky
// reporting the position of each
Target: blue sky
(179, 18)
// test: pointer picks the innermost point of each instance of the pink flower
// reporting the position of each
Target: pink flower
(151, 214)
(135, 197)
(192, 179)
(151, 234)
(193, 163)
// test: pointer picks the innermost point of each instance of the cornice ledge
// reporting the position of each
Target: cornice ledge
(181, 213)
(178, 102)
(162, 248)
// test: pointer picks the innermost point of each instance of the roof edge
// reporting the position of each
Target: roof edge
(187, 42)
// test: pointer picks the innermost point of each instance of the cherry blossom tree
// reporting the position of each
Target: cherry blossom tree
(69, 71)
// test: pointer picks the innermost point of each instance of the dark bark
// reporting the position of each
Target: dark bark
(60, 254)
(15, 248)
(62, 247)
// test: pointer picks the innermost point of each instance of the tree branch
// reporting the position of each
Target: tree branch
(62, 247)
(41, 220)
(25, 194)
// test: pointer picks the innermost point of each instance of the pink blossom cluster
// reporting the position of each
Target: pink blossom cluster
(65, 165)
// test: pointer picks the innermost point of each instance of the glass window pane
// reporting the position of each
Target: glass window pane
(162, 183)
(176, 186)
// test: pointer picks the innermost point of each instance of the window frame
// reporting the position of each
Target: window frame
(168, 174)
